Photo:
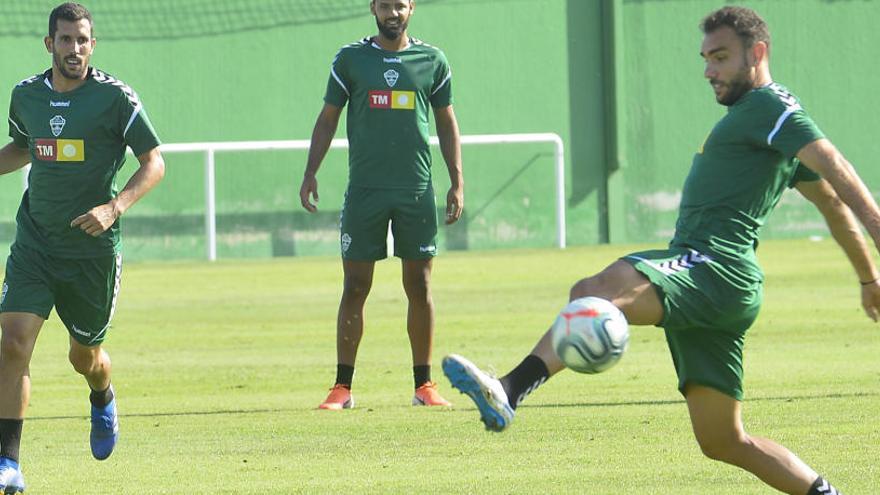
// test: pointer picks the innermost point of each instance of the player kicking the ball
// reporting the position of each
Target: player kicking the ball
(73, 124)
(705, 289)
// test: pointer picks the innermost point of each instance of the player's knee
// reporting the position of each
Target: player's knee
(722, 447)
(83, 361)
(356, 288)
(417, 291)
(15, 350)
(590, 286)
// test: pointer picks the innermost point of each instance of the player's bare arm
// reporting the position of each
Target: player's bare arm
(100, 218)
(13, 158)
(322, 136)
(845, 229)
(450, 146)
(823, 158)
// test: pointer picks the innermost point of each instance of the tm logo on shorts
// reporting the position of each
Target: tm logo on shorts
(3, 294)
(346, 242)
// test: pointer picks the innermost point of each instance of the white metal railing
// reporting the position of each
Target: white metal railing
(211, 148)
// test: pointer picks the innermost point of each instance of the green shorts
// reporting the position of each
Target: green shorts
(83, 291)
(364, 223)
(707, 308)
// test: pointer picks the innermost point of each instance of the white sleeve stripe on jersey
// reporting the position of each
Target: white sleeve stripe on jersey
(28, 80)
(446, 80)
(18, 128)
(134, 114)
(333, 72)
(781, 120)
(48, 83)
(104, 78)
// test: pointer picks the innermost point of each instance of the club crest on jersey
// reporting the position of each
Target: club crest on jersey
(57, 124)
(391, 77)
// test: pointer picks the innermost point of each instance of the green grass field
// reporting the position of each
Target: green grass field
(219, 368)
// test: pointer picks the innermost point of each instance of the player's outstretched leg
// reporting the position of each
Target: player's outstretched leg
(717, 422)
(486, 391)
(105, 428)
(11, 479)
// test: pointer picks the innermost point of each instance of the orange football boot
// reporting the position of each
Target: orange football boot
(427, 395)
(339, 398)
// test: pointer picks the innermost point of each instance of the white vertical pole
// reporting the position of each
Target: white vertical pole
(389, 242)
(210, 206)
(26, 171)
(560, 193)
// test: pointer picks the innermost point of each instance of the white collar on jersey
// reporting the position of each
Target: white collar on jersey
(376, 45)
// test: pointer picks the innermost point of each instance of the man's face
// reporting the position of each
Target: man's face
(728, 66)
(392, 16)
(71, 48)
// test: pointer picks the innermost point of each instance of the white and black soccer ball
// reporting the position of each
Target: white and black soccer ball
(590, 335)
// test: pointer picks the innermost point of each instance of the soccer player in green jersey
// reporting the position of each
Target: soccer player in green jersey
(389, 81)
(73, 124)
(705, 289)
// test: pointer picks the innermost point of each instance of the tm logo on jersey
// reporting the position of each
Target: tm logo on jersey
(60, 150)
(395, 100)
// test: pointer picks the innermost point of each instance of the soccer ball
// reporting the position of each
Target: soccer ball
(590, 335)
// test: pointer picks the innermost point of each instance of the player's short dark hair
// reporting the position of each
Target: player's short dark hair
(68, 11)
(745, 22)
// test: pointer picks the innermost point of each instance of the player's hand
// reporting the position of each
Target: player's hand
(871, 300)
(309, 188)
(97, 220)
(454, 204)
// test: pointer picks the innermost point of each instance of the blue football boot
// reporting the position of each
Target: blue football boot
(11, 479)
(486, 391)
(105, 430)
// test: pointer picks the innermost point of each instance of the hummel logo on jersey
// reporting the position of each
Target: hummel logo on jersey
(392, 60)
(59, 103)
(57, 124)
(391, 77)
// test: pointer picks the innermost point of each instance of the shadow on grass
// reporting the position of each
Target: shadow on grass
(787, 398)
(231, 412)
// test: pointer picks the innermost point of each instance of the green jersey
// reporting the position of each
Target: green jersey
(739, 174)
(77, 141)
(388, 96)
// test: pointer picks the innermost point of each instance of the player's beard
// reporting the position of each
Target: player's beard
(62, 66)
(739, 85)
(392, 33)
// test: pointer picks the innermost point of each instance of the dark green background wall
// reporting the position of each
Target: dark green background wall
(619, 80)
